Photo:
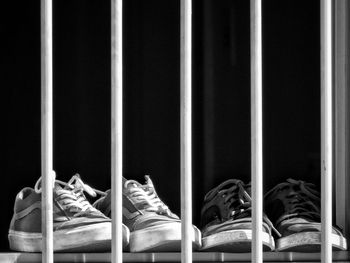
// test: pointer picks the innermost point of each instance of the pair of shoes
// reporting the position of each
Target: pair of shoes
(79, 226)
(153, 227)
(293, 206)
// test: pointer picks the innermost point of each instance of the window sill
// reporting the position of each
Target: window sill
(341, 256)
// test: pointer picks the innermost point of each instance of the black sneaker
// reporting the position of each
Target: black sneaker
(153, 227)
(226, 219)
(77, 225)
(294, 207)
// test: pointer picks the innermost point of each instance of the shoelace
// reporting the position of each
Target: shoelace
(235, 193)
(147, 195)
(71, 196)
(301, 201)
(231, 195)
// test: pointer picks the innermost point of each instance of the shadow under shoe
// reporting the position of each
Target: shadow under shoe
(294, 207)
(153, 227)
(226, 220)
(77, 226)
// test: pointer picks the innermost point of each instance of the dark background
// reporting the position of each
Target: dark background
(221, 94)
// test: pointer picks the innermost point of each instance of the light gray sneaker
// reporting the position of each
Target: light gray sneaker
(153, 227)
(77, 225)
(294, 208)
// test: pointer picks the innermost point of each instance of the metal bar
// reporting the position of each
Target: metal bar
(341, 83)
(186, 129)
(46, 131)
(326, 129)
(256, 128)
(116, 127)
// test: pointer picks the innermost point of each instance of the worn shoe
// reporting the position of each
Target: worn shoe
(77, 225)
(153, 227)
(294, 207)
(226, 221)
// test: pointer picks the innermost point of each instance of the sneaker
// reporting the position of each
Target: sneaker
(294, 207)
(226, 221)
(153, 227)
(77, 225)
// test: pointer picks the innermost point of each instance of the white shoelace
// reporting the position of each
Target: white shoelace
(146, 194)
(71, 196)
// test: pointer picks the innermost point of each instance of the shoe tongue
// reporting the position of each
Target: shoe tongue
(148, 187)
(132, 185)
(57, 187)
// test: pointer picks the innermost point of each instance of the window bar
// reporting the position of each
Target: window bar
(341, 83)
(46, 131)
(326, 129)
(340, 114)
(256, 129)
(116, 128)
(186, 129)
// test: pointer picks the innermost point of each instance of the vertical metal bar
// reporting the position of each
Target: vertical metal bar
(341, 95)
(117, 127)
(256, 128)
(186, 129)
(46, 130)
(326, 129)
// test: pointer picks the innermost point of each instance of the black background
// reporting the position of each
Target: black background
(221, 94)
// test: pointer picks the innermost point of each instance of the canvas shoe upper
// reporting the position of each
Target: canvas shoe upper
(294, 207)
(226, 221)
(152, 225)
(77, 225)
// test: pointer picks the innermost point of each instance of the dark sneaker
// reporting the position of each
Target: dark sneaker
(294, 207)
(153, 227)
(226, 221)
(77, 225)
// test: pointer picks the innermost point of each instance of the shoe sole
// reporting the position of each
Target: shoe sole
(235, 241)
(96, 237)
(308, 242)
(163, 238)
